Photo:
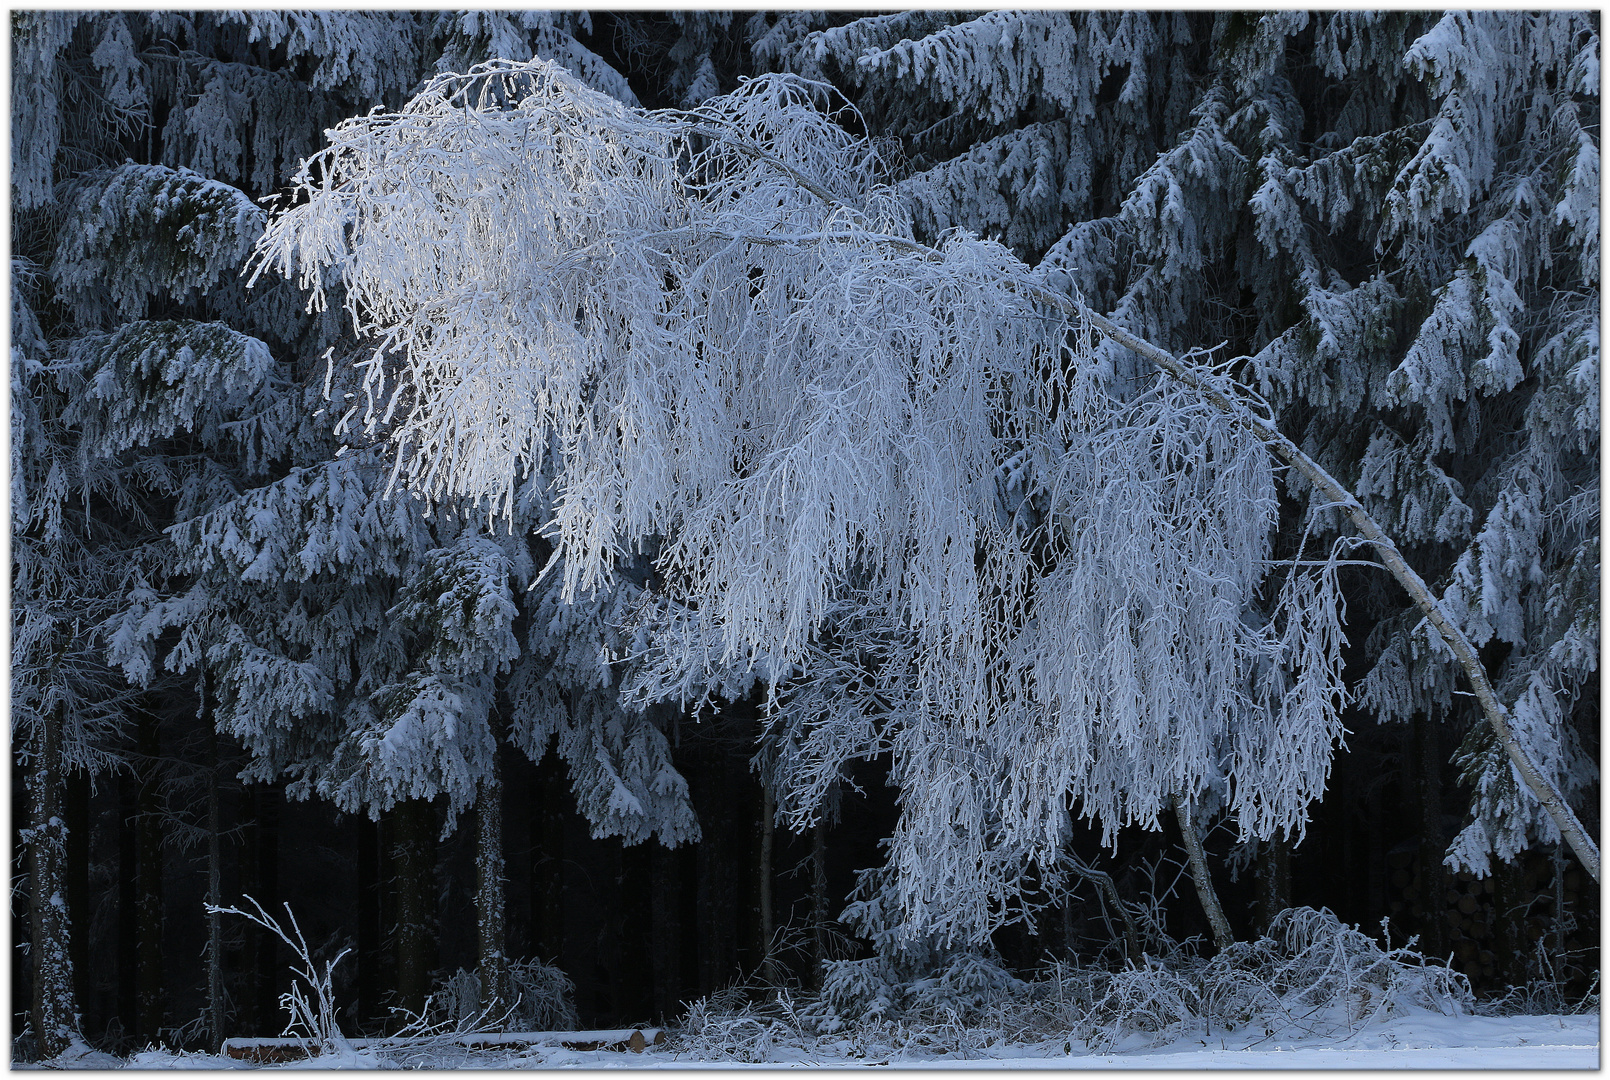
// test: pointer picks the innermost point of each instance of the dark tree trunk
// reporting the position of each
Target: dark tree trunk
(1426, 776)
(1274, 879)
(718, 909)
(692, 955)
(764, 909)
(1512, 900)
(77, 816)
(491, 939)
(665, 916)
(369, 921)
(215, 898)
(634, 966)
(128, 996)
(148, 859)
(547, 865)
(818, 901)
(55, 1009)
(1377, 842)
(266, 964)
(414, 869)
(608, 998)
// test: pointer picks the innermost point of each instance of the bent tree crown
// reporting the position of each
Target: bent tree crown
(883, 476)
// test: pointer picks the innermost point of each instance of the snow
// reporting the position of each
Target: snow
(1416, 1041)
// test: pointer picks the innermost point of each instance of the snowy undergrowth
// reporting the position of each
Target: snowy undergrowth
(1310, 976)
(544, 1000)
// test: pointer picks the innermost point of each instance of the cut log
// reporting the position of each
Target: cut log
(275, 1051)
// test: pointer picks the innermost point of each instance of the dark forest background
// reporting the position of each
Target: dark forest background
(157, 802)
(642, 930)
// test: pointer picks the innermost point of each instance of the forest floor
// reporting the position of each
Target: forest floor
(1415, 1041)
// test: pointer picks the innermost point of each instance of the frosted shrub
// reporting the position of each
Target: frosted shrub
(725, 1027)
(963, 986)
(546, 996)
(1311, 975)
(1321, 962)
(544, 1000)
(313, 1018)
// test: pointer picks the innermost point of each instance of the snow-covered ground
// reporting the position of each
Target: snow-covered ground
(1418, 1041)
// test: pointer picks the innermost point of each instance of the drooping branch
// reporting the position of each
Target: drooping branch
(1109, 889)
(1493, 710)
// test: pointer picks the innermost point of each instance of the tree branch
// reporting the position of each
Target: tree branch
(1497, 716)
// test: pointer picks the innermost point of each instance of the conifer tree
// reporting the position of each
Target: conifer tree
(181, 505)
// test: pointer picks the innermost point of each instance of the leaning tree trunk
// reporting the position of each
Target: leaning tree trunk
(55, 1010)
(1222, 937)
(490, 891)
(1543, 789)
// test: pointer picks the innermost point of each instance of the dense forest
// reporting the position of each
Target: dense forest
(840, 607)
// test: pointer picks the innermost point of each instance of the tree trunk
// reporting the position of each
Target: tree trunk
(1274, 879)
(414, 866)
(369, 921)
(547, 822)
(716, 853)
(128, 995)
(1425, 774)
(77, 816)
(148, 906)
(265, 964)
(489, 892)
(665, 895)
(1511, 900)
(1564, 923)
(633, 965)
(765, 919)
(818, 900)
(215, 898)
(55, 1010)
(1222, 937)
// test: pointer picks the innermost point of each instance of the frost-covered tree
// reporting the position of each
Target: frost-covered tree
(1386, 215)
(66, 703)
(835, 466)
(179, 508)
